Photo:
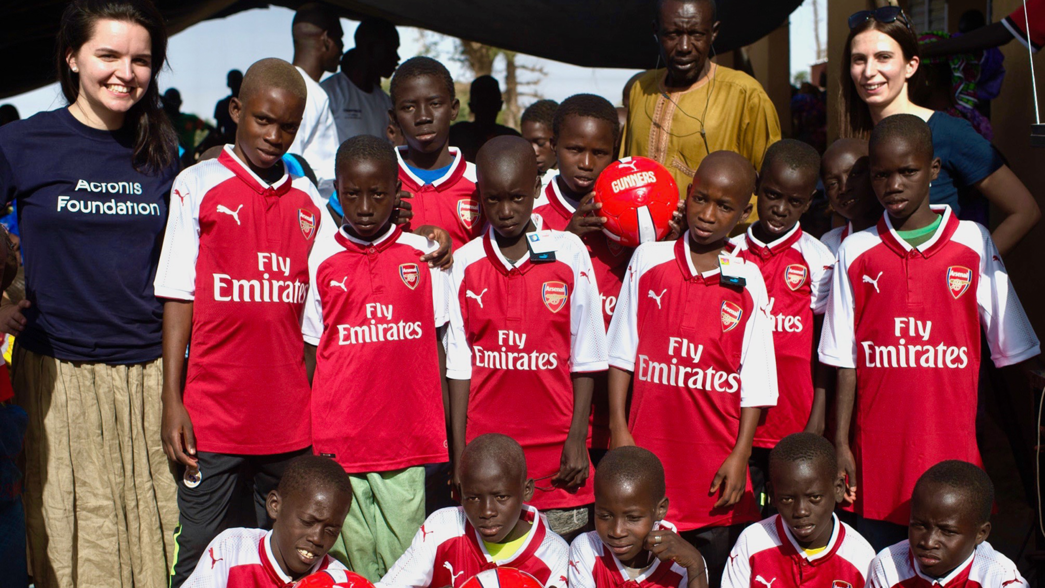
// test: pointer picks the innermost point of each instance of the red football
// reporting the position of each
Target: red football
(334, 579)
(502, 578)
(638, 198)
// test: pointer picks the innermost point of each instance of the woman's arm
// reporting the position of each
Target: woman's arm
(1019, 210)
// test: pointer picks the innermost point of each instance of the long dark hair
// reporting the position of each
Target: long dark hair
(854, 113)
(154, 139)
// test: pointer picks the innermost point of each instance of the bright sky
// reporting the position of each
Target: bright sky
(201, 56)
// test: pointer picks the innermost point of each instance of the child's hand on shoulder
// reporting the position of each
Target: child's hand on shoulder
(667, 545)
(443, 257)
(404, 210)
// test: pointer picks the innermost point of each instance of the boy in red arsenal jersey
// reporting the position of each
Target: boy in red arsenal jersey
(440, 182)
(492, 527)
(234, 271)
(371, 305)
(805, 545)
(797, 271)
(908, 299)
(526, 335)
(847, 183)
(583, 135)
(699, 384)
(947, 537)
(632, 545)
(306, 509)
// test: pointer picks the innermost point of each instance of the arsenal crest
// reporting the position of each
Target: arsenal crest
(731, 314)
(958, 280)
(409, 274)
(307, 222)
(554, 295)
(795, 275)
(615, 248)
(467, 211)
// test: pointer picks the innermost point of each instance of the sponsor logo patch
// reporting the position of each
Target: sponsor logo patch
(731, 314)
(409, 274)
(958, 280)
(554, 295)
(307, 222)
(795, 275)
(467, 211)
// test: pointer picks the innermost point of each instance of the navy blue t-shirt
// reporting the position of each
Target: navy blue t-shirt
(966, 158)
(92, 227)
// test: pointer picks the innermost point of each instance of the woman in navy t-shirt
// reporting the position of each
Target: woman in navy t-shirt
(881, 56)
(92, 184)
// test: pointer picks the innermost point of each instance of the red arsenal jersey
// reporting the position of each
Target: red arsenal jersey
(895, 567)
(610, 261)
(447, 551)
(797, 270)
(766, 553)
(699, 351)
(373, 311)
(517, 332)
(238, 249)
(594, 566)
(450, 203)
(908, 320)
(242, 558)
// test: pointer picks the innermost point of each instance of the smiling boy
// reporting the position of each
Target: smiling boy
(492, 527)
(805, 545)
(307, 509)
(632, 545)
(947, 536)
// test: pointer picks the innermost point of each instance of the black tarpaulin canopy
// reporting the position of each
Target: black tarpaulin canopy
(590, 33)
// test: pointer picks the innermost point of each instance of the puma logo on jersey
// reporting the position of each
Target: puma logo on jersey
(233, 213)
(762, 580)
(425, 534)
(867, 280)
(180, 196)
(1015, 580)
(453, 576)
(340, 284)
(565, 580)
(213, 561)
(657, 297)
(573, 565)
(478, 297)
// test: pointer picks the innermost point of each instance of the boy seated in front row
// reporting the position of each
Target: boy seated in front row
(946, 541)
(699, 385)
(308, 508)
(441, 183)
(492, 527)
(632, 544)
(526, 335)
(797, 271)
(908, 300)
(805, 545)
(372, 305)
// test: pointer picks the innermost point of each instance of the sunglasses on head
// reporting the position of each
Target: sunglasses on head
(884, 15)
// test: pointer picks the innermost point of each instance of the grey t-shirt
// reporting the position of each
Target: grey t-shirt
(356, 112)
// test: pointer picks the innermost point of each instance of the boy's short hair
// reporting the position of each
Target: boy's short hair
(908, 128)
(367, 147)
(541, 112)
(272, 72)
(588, 105)
(804, 447)
(794, 154)
(417, 67)
(494, 447)
(632, 465)
(971, 481)
(307, 472)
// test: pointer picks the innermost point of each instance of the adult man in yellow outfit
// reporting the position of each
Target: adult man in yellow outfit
(679, 114)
